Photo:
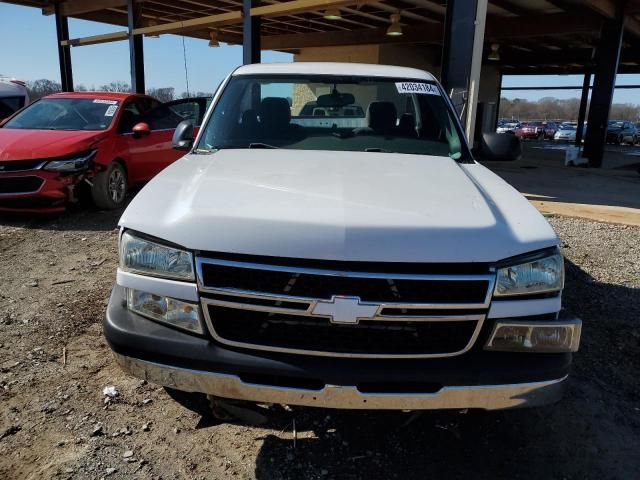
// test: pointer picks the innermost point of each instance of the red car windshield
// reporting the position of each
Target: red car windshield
(66, 114)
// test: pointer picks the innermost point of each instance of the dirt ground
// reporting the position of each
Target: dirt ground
(55, 277)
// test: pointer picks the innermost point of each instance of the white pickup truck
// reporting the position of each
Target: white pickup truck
(377, 267)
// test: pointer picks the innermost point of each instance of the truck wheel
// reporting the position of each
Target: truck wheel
(110, 187)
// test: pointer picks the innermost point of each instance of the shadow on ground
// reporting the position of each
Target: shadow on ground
(83, 216)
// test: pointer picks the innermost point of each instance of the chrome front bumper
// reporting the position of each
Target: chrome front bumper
(486, 397)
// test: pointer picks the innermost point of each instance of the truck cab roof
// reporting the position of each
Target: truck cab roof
(334, 68)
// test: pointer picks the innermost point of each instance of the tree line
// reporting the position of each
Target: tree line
(551, 108)
(547, 108)
(43, 87)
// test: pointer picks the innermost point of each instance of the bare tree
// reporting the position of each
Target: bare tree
(550, 108)
(195, 94)
(42, 87)
(117, 86)
(165, 94)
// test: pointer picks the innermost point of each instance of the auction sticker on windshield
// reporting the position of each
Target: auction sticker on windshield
(417, 87)
(110, 111)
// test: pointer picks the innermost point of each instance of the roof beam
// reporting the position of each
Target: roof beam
(604, 8)
(182, 26)
(96, 39)
(411, 34)
(539, 26)
(498, 29)
(301, 6)
(510, 7)
(607, 8)
(78, 7)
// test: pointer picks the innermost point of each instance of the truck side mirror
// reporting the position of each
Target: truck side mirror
(183, 136)
(495, 147)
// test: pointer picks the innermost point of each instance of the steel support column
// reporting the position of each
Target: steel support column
(607, 58)
(136, 49)
(250, 33)
(584, 100)
(64, 51)
(462, 57)
(476, 67)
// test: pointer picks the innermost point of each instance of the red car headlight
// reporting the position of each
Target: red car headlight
(71, 164)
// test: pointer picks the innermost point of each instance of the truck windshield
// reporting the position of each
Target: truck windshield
(66, 114)
(326, 112)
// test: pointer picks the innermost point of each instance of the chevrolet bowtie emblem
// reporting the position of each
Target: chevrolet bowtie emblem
(346, 310)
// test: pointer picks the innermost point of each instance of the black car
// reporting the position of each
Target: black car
(619, 132)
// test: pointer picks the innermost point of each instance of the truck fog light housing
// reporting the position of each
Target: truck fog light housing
(170, 311)
(552, 337)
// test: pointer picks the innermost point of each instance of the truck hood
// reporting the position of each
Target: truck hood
(24, 144)
(356, 206)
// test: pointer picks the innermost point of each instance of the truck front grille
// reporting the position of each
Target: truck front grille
(17, 185)
(320, 336)
(409, 315)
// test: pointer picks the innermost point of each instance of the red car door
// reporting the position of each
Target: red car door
(152, 152)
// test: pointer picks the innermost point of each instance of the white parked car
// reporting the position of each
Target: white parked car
(508, 127)
(565, 133)
(13, 96)
(377, 267)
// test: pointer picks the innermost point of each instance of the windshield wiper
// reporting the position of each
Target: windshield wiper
(248, 145)
(202, 150)
(376, 149)
(261, 145)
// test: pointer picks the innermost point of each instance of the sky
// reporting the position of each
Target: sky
(29, 53)
(619, 96)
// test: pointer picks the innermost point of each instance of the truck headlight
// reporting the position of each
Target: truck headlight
(75, 163)
(165, 310)
(542, 275)
(139, 255)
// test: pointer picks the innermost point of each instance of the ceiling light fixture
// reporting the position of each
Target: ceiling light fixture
(494, 55)
(213, 39)
(332, 14)
(395, 29)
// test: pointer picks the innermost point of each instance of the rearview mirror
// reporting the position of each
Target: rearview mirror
(335, 100)
(141, 129)
(183, 136)
(496, 147)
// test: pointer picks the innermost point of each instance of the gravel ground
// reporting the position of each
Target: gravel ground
(55, 421)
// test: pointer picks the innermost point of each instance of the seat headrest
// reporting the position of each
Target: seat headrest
(249, 117)
(382, 116)
(275, 112)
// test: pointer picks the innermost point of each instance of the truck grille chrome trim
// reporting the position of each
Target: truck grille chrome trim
(486, 397)
(276, 312)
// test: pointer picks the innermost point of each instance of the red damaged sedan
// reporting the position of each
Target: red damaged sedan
(103, 142)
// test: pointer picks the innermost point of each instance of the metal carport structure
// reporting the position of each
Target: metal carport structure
(598, 38)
